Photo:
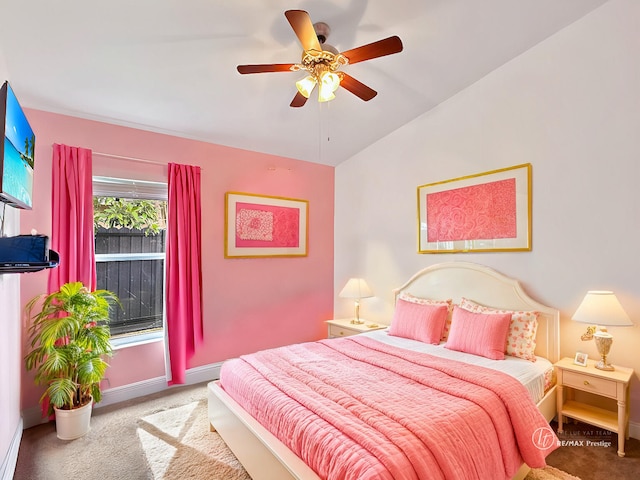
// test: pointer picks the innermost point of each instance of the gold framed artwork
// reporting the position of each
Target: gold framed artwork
(485, 212)
(265, 226)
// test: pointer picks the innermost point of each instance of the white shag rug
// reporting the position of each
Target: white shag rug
(549, 473)
(178, 445)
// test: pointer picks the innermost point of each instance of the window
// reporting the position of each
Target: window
(130, 227)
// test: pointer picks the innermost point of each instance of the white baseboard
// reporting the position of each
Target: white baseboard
(205, 373)
(9, 462)
(33, 416)
(195, 375)
(634, 430)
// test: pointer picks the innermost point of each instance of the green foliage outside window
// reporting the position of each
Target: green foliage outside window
(146, 215)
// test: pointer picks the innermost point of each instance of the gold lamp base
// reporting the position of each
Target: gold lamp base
(357, 321)
(603, 365)
(603, 343)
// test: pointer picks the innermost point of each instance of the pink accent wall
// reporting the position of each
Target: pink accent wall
(249, 304)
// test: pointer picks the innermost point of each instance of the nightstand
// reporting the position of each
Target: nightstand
(611, 384)
(344, 328)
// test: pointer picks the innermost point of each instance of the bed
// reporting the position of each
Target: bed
(264, 456)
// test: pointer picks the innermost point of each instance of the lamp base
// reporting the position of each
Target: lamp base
(356, 320)
(603, 365)
(603, 341)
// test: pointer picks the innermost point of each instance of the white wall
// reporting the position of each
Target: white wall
(10, 359)
(569, 106)
(10, 346)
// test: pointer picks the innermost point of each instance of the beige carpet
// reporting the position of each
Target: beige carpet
(160, 437)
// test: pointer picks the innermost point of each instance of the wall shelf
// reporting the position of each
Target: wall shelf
(26, 267)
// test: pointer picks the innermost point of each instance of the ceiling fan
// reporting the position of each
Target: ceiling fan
(322, 62)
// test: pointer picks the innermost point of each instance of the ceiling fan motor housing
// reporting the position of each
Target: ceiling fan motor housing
(322, 31)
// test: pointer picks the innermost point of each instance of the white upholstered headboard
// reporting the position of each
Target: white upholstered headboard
(490, 288)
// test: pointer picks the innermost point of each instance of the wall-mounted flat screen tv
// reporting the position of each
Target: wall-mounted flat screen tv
(16, 152)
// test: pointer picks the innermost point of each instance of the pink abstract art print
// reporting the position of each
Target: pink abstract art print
(484, 212)
(477, 212)
(265, 225)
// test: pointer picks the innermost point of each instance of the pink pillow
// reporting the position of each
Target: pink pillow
(449, 303)
(422, 322)
(482, 334)
(521, 338)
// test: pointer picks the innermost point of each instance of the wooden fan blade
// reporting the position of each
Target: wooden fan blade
(377, 49)
(303, 28)
(298, 101)
(359, 89)
(273, 67)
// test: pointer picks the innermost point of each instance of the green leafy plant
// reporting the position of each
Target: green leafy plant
(146, 215)
(69, 336)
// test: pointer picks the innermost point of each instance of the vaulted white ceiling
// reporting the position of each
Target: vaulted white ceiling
(170, 65)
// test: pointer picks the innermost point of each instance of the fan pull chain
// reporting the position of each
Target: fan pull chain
(323, 127)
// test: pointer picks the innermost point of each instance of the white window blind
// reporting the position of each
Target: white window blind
(126, 188)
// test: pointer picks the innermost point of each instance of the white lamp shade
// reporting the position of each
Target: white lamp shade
(601, 308)
(356, 288)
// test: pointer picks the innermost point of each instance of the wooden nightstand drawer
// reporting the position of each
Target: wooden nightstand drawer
(336, 331)
(588, 383)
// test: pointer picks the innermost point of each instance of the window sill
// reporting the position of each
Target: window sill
(137, 340)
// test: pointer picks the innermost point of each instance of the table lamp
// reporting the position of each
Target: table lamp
(603, 309)
(356, 288)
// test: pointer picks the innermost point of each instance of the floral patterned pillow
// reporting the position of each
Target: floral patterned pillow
(427, 301)
(521, 338)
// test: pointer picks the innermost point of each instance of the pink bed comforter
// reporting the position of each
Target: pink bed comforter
(355, 408)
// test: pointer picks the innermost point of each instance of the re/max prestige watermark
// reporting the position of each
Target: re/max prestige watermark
(544, 438)
(583, 443)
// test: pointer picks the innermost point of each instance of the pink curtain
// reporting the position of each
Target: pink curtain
(72, 217)
(71, 221)
(184, 271)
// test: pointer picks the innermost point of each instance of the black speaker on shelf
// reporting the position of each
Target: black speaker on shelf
(26, 253)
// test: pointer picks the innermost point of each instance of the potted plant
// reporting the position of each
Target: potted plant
(69, 338)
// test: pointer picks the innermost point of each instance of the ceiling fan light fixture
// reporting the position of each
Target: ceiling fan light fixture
(306, 85)
(330, 80)
(324, 95)
(329, 83)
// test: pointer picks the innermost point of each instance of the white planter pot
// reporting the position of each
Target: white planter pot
(72, 424)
